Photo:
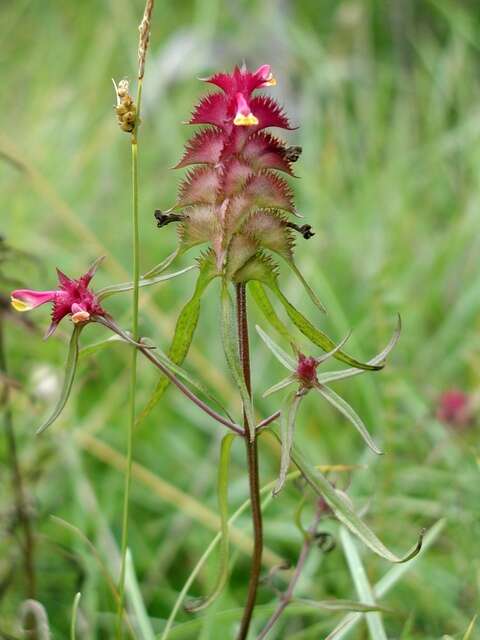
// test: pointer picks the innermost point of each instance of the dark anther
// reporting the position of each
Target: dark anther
(166, 218)
(325, 541)
(292, 154)
(305, 229)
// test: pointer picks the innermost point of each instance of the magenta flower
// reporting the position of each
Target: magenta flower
(72, 298)
(454, 408)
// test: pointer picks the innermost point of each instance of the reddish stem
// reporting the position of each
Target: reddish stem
(253, 474)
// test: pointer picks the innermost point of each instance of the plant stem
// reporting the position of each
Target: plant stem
(133, 364)
(253, 474)
(17, 479)
(286, 598)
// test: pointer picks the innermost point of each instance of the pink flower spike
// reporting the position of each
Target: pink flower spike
(72, 298)
(244, 117)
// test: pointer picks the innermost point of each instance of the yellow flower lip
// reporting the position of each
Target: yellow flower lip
(245, 120)
(271, 81)
(20, 305)
(80, 316)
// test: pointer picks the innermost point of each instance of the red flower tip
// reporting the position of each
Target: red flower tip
(454, 408)
(72, 298)
(307, 370)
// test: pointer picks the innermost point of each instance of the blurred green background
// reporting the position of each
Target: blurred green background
(386, 96)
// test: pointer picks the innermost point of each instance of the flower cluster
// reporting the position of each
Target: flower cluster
(73, 298)
(236, 201)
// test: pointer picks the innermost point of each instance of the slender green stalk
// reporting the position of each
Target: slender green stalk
(133, 364)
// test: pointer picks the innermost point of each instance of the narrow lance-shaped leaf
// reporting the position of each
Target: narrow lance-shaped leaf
(311, 293)
(315, 335)
(73, 624)
(341, 405)
(280, 385)
(184, 331)
(143, 282)
(362, 585)
(339, 605)
(331, 376)
(157, 269)
(70, 369)
(282, 356)
(263, 302)
(222, 489)
(344, 512)
(288, 417)
(96, 347)
(230, 347)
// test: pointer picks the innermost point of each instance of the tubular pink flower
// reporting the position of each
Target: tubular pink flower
(244, 117)
(26, 299)
(72, 298)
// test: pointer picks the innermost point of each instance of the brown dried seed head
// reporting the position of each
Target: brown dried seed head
(144, 30)
(125, 109)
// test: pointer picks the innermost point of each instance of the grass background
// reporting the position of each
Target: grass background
(387, 98)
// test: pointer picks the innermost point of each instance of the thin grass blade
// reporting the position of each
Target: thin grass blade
(362, 585)
(142, 621)
(389, 580)
(73, 623)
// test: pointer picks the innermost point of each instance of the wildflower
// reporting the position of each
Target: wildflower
(72, 298)
(454, 408)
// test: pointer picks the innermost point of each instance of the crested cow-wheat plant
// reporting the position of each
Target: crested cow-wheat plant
(237, 204)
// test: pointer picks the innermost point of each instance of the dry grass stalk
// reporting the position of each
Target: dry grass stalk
(144, 29)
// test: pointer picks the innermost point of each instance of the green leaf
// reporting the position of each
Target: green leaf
(73, 623)
(389, 580)
(288, 417)
(261, 299)
(279, 385)
(70, 369)
(344, 512)
(157, 269)
(136, 601)
(93, 349)
(184, 332)
(341, 405)
(315, 335)
(282, 356)
(330, 376)
(339, 605)
(143, 282)
(230, 347)
(469, 631)
(362, 585)
(311, 293)
(222, 488)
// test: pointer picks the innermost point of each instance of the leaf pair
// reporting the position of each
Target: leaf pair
(292, 402)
